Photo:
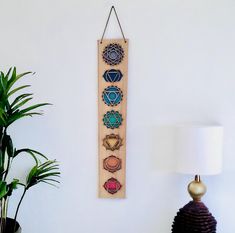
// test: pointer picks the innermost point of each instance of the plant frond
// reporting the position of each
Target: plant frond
(19, 98)
(14, 78)
(29, 152)
(23, 102)
(17, 89)
(44, 172)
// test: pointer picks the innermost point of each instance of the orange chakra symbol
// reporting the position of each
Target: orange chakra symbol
(112, 164)
(112, 142)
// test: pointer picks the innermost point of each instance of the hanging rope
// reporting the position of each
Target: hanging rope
(113, 9)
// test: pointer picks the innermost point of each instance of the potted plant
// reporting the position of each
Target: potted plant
(14, 106)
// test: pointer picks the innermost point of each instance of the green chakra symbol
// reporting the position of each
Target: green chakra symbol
(112, 119)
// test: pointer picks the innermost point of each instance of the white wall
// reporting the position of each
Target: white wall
(181, 69)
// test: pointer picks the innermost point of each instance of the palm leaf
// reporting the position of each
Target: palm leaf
(12, 186)
(44, 172)
(20, 97)
(17, 89)
(14, 78)
(18, 115)
(38, 153)
(23, 102)
(31, 152)
(33, 107)
(3, 189)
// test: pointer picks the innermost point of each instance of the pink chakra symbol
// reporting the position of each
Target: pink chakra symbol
(112, 185)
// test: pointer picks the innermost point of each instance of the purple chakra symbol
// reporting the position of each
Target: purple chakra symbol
(113, 54)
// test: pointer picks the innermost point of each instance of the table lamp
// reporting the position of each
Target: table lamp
(199, 152)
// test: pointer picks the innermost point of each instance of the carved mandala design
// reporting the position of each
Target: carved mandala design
(112, 142)
(112, 185)
(112, 119)
(112, 164)
(113, 54)
(112, 75)
(112, 95)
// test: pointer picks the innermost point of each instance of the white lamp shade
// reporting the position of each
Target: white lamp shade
(199, 149)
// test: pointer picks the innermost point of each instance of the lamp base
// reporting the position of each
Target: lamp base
(194, 218)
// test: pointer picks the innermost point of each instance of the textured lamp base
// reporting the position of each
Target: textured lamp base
(194, 218)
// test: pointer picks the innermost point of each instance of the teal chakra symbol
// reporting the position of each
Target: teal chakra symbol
(112, 75)
(112, 119)
(112, 95)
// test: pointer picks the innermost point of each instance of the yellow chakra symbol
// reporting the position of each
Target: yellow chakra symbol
(112, 142)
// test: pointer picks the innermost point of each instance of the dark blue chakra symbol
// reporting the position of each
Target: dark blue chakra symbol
(112, 95)
(113, 54)
(112, 76)
(112, 119)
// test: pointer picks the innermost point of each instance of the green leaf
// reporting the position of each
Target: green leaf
(28, 151)
(8, 73)
(33, 107)
(14, 183)
(14, 78)
(12, 186)
(3, 117)
(31, 175)
(9, 146)
(47, 163)
(38, 153)
(23, 102)
(3, 189)
(17, 89)
(23, 74)
(20, 97)
(51, 174)
(53, 180)
(3, 82)
(49, 183)
(45, 172)
(17, 115)
(31, 152)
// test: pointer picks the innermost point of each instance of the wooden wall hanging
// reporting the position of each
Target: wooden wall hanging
(112, 100)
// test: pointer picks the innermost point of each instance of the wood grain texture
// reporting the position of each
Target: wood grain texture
(104, 175)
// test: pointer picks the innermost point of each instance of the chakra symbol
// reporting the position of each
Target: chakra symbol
(112, 95)
(112, 164)
(112, 142)
(112, 75)
(113, 54)
(112, 119)
(112, 185)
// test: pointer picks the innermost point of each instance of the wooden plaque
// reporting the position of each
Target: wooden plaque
(112, 101)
